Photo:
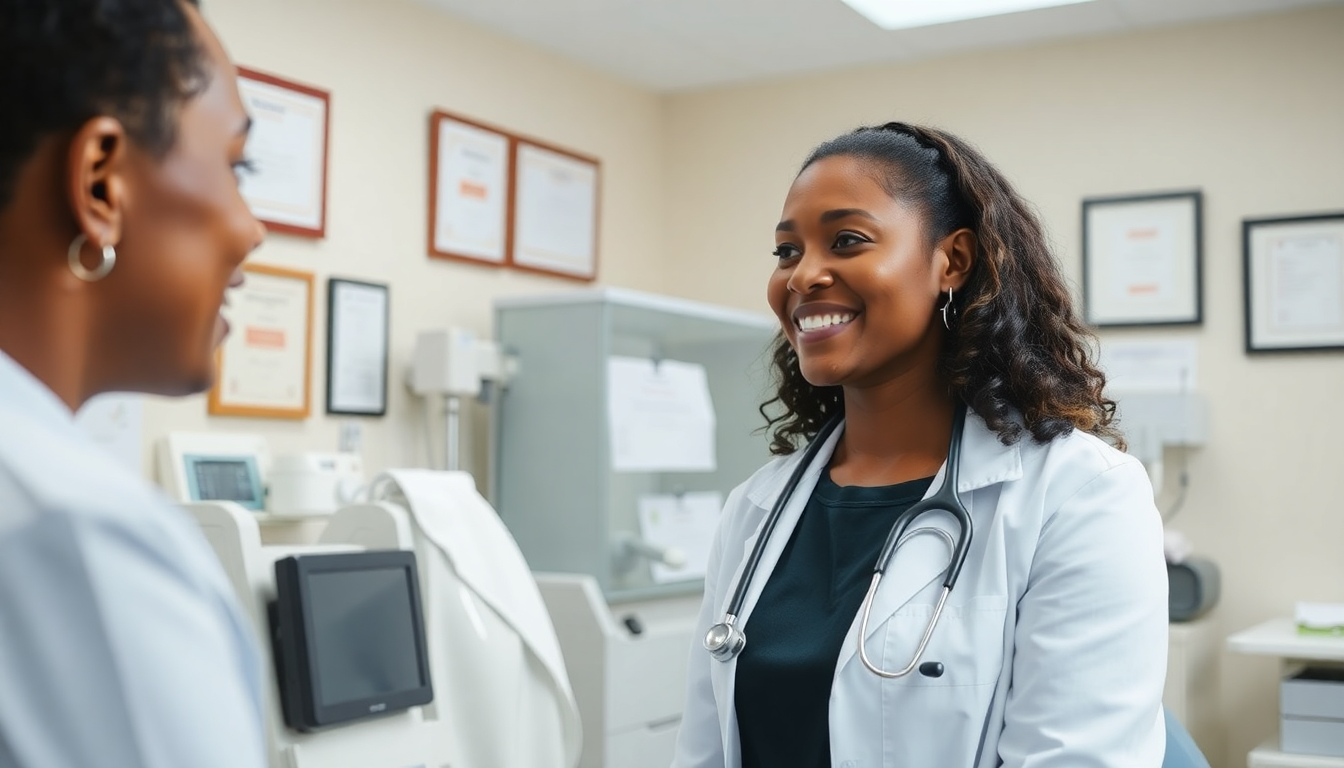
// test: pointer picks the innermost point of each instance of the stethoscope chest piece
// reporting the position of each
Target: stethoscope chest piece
(724, 641)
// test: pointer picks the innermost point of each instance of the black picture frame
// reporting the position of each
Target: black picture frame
(1158, 296)
(356, 373)
(1309, 250)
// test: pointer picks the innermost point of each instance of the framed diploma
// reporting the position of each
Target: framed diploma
(264, 363)
(555, 211)
(357, 315)
(1142, 259)
(1294, 283)
(288, 149)
(469, 200)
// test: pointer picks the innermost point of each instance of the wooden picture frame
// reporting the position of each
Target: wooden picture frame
(1293, 283)
(288, 148)
(470, 190)
(1143, 259)
(264, 365)
(358, 315)
(556, 211)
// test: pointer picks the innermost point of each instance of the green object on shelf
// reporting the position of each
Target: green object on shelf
(1335, 631)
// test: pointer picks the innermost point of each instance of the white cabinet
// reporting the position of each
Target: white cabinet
(1279, 637)
(627, 665)
(1191, 693)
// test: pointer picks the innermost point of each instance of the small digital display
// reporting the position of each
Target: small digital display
(348, 633)
(224, 480)
(364, 636)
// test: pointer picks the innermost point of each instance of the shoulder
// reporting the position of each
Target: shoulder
(56, 478)
(1072, 470)
(1074, 453)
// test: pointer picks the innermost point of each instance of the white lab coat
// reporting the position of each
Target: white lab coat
(1054, 641)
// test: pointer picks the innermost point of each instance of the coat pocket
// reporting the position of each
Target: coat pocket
(968, 642)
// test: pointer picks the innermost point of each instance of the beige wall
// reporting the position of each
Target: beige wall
(1252, 112)
(388, 64)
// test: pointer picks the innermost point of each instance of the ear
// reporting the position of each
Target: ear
(95, 179)
(959, 247)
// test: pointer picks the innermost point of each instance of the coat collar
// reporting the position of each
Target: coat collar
(24, 393)
(985, 460)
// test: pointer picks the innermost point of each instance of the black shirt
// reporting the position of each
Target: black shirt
(795, 631)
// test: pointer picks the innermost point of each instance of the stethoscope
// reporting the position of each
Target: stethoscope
(725, 640)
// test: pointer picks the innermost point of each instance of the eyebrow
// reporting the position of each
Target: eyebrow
(827, 217)
(245, 128)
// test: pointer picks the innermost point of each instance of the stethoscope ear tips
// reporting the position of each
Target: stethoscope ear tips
(931, 669)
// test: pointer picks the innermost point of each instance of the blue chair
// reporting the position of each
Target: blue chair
(1181, 749)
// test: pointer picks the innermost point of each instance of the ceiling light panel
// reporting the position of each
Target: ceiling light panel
(907, 14)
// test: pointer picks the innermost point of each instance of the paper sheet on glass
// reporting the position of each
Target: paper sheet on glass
(685, 522)
(556, 212)
(1307, 283)
(358, 348)
(287, 144)
(471, 193)
(115, 422)
(661, 416)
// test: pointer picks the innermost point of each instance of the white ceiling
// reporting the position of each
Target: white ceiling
(683, 44)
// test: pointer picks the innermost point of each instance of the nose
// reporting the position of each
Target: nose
(258, 234)
(811, 273)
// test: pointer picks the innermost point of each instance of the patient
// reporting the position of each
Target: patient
(121, 227)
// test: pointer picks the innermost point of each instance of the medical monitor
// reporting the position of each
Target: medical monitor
(225, 478)
(214, 466)
(348, 634)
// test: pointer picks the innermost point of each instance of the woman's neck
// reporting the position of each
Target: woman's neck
(896, 432)
(45, 321)
(44, 329)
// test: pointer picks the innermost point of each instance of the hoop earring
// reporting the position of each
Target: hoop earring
(949, 308)
(109, 254)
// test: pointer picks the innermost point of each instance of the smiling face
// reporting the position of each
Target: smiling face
(858, 281)
(186, 230)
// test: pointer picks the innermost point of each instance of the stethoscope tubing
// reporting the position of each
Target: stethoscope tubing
(776, 512)
(724, 640)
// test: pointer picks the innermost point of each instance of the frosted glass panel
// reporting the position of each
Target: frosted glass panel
(553, 482)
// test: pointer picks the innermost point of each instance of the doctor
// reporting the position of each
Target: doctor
(911, 279)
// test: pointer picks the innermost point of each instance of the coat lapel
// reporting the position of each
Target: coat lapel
(764, 498)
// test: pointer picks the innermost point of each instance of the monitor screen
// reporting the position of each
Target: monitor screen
(215, 478)
(349, 636)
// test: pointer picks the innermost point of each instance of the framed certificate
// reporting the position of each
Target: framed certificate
(469, 199)
(555, 211)
(1142, 259)
(288, 149)
(357, 321)
(264, 364)
(1294, 283)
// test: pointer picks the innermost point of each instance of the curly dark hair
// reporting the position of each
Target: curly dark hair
(64, 62)
(1017, 346)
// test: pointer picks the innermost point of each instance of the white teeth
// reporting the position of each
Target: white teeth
(816, 322)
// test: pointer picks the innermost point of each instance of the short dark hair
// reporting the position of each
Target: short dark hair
(64, 62)
(1018, 349)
